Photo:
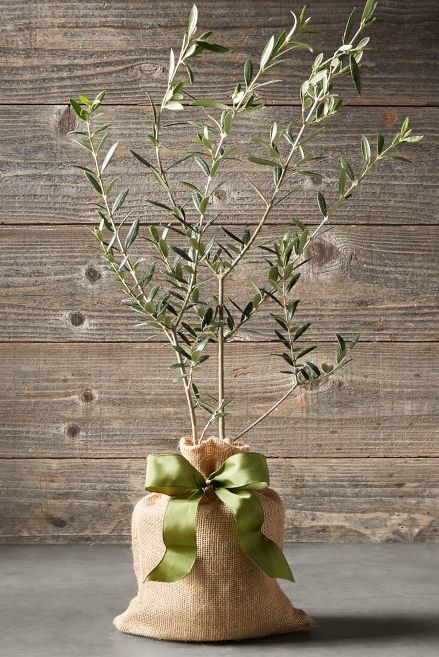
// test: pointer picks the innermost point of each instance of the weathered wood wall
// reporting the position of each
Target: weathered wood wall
(84, 397)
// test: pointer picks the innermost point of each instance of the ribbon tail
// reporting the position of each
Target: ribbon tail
(249, 516)
(179, 537)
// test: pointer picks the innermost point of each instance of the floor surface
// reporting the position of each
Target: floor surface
(59, 601)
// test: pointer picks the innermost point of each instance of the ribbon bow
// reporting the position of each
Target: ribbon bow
(233, 483)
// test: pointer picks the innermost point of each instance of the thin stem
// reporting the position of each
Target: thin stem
(286, 395)
(278, 185)
(221, 419)
(110, 213)
(262, 417)
(171, 336)
(186, 384)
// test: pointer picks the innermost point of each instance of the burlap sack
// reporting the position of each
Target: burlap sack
(225, 596)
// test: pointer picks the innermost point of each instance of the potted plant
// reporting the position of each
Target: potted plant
(207, 538)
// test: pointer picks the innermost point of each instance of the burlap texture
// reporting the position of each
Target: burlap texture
(225, 596)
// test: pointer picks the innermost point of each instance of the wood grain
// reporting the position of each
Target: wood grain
(117, 400)
(53, 50)
(83, 399)
(384, 285)
(39, 185)
(361, 500)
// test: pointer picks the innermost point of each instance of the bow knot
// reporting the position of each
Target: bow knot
(234, 483)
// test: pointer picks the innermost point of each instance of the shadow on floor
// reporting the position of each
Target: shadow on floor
(336, 629)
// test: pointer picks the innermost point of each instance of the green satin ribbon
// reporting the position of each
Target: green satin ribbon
(233, 483)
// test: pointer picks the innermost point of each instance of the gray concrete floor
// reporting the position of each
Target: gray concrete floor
(59, 601)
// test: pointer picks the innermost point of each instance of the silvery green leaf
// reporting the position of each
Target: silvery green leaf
(93, 181)
(262, 161)
(365, 149)
(206, 102)
(120, 200)
(267, 52)
(174, 106)
(345, 164)
(171, 65)
(368, 11)
(193, 18)
(132, 234)
(203, 165)
(109, 156)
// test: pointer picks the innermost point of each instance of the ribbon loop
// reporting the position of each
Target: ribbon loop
(233, 483)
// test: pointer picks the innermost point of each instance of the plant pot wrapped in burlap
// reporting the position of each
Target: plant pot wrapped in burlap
(224, 595)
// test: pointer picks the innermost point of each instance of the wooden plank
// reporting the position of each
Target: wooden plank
(383, 283)
(361, 500)
(117, 400)
(40, 186)
(52, 50)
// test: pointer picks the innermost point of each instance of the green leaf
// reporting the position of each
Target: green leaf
(262, 161)
(322, 204)
(342, 181)
(147, 276)
(76, 107)
(293, 280)
(368, 10)
(349, 25)
(341, 341)
(203, 165)
(82, 168)
(314, 369)
(206, 102)
(182, 253)
(226, 122)
(248, 71)
(214, 47)
(93, 181)
(345, 164)
(208, 316)
(158, 204)
(193, 18)
(109, 156)
(303, 352)
(154, 233)
(327, 368)
(132, 234)
(380, 143)
(301, 331)
(341, 350)
(141, 159)
(355, 74)
(120, 200)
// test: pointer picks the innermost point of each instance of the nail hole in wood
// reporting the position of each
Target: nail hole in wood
(87, 396)
(72, 430)
(77, 319)
(92, 274)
